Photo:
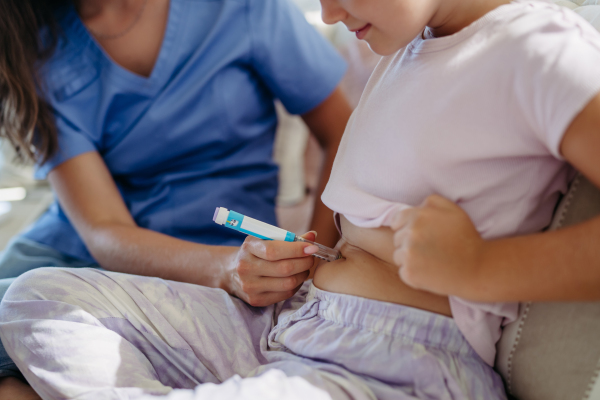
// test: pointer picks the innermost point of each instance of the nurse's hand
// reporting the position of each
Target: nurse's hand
(265, 272)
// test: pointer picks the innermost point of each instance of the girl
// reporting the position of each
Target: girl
(472, 101)
(487, 117)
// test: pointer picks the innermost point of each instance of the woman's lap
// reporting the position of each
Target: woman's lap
(143, 335)
(128, 335)
(22, 255)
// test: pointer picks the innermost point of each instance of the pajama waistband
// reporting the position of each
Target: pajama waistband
(394, 320)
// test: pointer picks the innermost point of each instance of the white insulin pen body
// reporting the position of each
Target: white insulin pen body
(261, 230)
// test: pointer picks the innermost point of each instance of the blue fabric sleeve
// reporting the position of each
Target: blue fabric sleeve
(300, 67)
(71, 142)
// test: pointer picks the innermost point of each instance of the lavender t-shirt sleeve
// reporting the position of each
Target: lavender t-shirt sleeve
(558, 77)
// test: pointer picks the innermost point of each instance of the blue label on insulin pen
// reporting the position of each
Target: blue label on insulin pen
(235, 221)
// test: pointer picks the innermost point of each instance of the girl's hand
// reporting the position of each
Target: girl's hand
(265, 272)
(437, 246)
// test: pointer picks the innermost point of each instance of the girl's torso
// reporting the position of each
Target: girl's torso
(367, 270)
(467, 116)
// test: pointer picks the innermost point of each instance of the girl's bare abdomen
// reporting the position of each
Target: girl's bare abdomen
(367, 270)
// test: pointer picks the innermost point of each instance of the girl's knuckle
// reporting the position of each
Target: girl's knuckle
(398, 239)
(433, 200)
(398, 257)
(409, 256)
(416, 236)
(408, 275)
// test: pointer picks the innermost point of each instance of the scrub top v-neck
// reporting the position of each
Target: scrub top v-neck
(198, 132)
(163, 63)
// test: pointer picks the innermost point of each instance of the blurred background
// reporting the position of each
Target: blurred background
(23, 199)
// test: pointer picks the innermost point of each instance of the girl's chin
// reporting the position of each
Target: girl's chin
(382, 50)
(385, 47)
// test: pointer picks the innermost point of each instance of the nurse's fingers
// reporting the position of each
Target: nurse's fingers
(285, 268)
(272, 250)
(281, 285)
(268, 298)
(263, 291)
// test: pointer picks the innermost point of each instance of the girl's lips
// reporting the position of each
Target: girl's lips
(360, 33)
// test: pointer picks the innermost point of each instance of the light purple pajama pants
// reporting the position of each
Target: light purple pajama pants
(90, 334)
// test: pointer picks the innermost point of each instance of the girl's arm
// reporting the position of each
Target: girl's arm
(259, 272)
(438, 248)
(327, 122)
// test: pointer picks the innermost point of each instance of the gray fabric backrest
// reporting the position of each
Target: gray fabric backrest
(552, 352)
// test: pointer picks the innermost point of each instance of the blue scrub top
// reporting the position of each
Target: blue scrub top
(198, 133)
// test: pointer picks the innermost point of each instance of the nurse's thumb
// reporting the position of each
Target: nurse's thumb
(310, 235)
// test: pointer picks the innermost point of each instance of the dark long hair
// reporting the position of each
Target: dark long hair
(26, 120)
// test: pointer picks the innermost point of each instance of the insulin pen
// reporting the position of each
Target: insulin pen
(261, 230)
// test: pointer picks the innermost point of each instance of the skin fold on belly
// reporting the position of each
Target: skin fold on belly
(367, 270)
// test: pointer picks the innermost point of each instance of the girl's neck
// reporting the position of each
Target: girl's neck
(455, 15)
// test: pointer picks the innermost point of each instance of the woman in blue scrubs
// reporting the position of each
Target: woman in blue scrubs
(145, 115)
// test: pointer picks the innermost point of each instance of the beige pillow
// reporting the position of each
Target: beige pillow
(552, 351)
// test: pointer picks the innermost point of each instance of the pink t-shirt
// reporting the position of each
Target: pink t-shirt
(478, 118)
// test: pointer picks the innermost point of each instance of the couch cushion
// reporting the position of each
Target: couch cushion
(552, 351)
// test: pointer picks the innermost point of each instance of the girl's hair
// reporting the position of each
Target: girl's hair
(28, 36)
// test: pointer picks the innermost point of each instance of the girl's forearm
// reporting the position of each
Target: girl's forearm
(134, 250)
(562, 265)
